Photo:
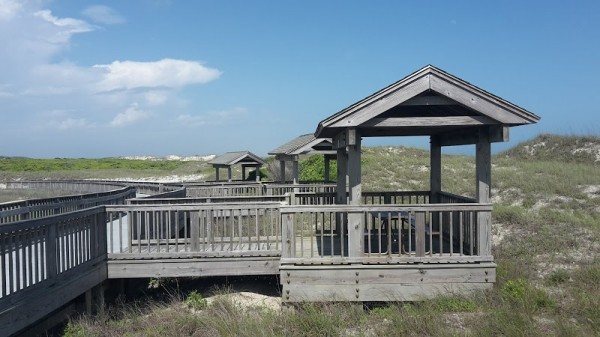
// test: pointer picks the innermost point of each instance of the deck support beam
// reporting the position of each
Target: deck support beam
(327, 169)
(484, 179)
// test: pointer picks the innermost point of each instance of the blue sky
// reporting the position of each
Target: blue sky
(144, 77)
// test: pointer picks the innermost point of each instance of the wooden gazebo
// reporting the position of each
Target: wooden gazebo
(229, 159)
(304, 144)
(382, 246)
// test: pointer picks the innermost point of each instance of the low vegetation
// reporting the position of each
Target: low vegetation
(546, 246)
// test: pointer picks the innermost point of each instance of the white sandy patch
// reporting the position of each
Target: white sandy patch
(249, 300)
(591, 191)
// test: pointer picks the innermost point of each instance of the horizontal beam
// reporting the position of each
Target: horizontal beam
(430, 100)
(497, 134)
(392, 122)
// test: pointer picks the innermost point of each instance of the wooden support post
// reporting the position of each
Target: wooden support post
(228, 173)
(194, 231)
(435, 179)
(51, 255)
(88, 302)
(288, 235)
(435, 173)
(355, 220)
(484, 178)
(295, 173)
(217, 173)
(257, 173)
(341, 196)
(243, 172)
(282, 171)
(420, 233)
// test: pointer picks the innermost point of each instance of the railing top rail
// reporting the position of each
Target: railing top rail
(387, 208)
(191, 200)
(457, 196)
(65, 198)
(193, 207)
(49, 220)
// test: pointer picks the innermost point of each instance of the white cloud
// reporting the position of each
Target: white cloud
(9, 9)
(65, 27)
(73, 123)
(103, 14)
(212, 118)
(166, 73)
(129, 116)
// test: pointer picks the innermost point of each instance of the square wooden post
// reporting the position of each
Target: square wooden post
(435, 173)
(243, 172)
(216, 173)
(340, 190)
(295, 173)
(484, 178)
(355, 220)
(229, 173)
(282, 171)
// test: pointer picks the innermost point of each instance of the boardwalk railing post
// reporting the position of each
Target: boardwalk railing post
(51, 256)
(288, 235)
(195, 230)
(420, 233)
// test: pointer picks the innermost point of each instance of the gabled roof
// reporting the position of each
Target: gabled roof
(427, 93)
(232, 158)
(304, 144)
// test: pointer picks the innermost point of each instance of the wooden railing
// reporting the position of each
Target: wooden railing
(39, 208)
(282, 189)
(395, 197)
(450, 198)
(374, 234)
(233, 229)
(45, 263)
(224, 190)
(221, 200)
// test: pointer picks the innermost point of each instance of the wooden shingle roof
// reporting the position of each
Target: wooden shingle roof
(426, 102)
(232, 158)
(303, 144)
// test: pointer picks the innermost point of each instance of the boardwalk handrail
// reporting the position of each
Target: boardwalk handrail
(45, 263)
(247, 199)
(38, 208)
(229, 229)
(384, 233)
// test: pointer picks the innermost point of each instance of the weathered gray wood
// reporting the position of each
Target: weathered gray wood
(194, 231)
(435, 173)
(327, 168)
(378, 292)
(487, 105)
(295, 172)
(282, 171)
(386, 208)
(363, 111)
(30, 306)
(429, 100)
(288, 235)
(355, 220)
(395, 122)
(193, 267)
(381, 274)
(484, 172)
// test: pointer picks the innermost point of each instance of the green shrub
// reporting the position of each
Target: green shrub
(195, 300)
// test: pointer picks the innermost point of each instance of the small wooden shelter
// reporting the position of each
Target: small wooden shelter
(229, 159)
(304, 144)
(405, 245)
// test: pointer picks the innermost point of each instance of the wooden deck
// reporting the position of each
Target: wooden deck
(397, 252)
